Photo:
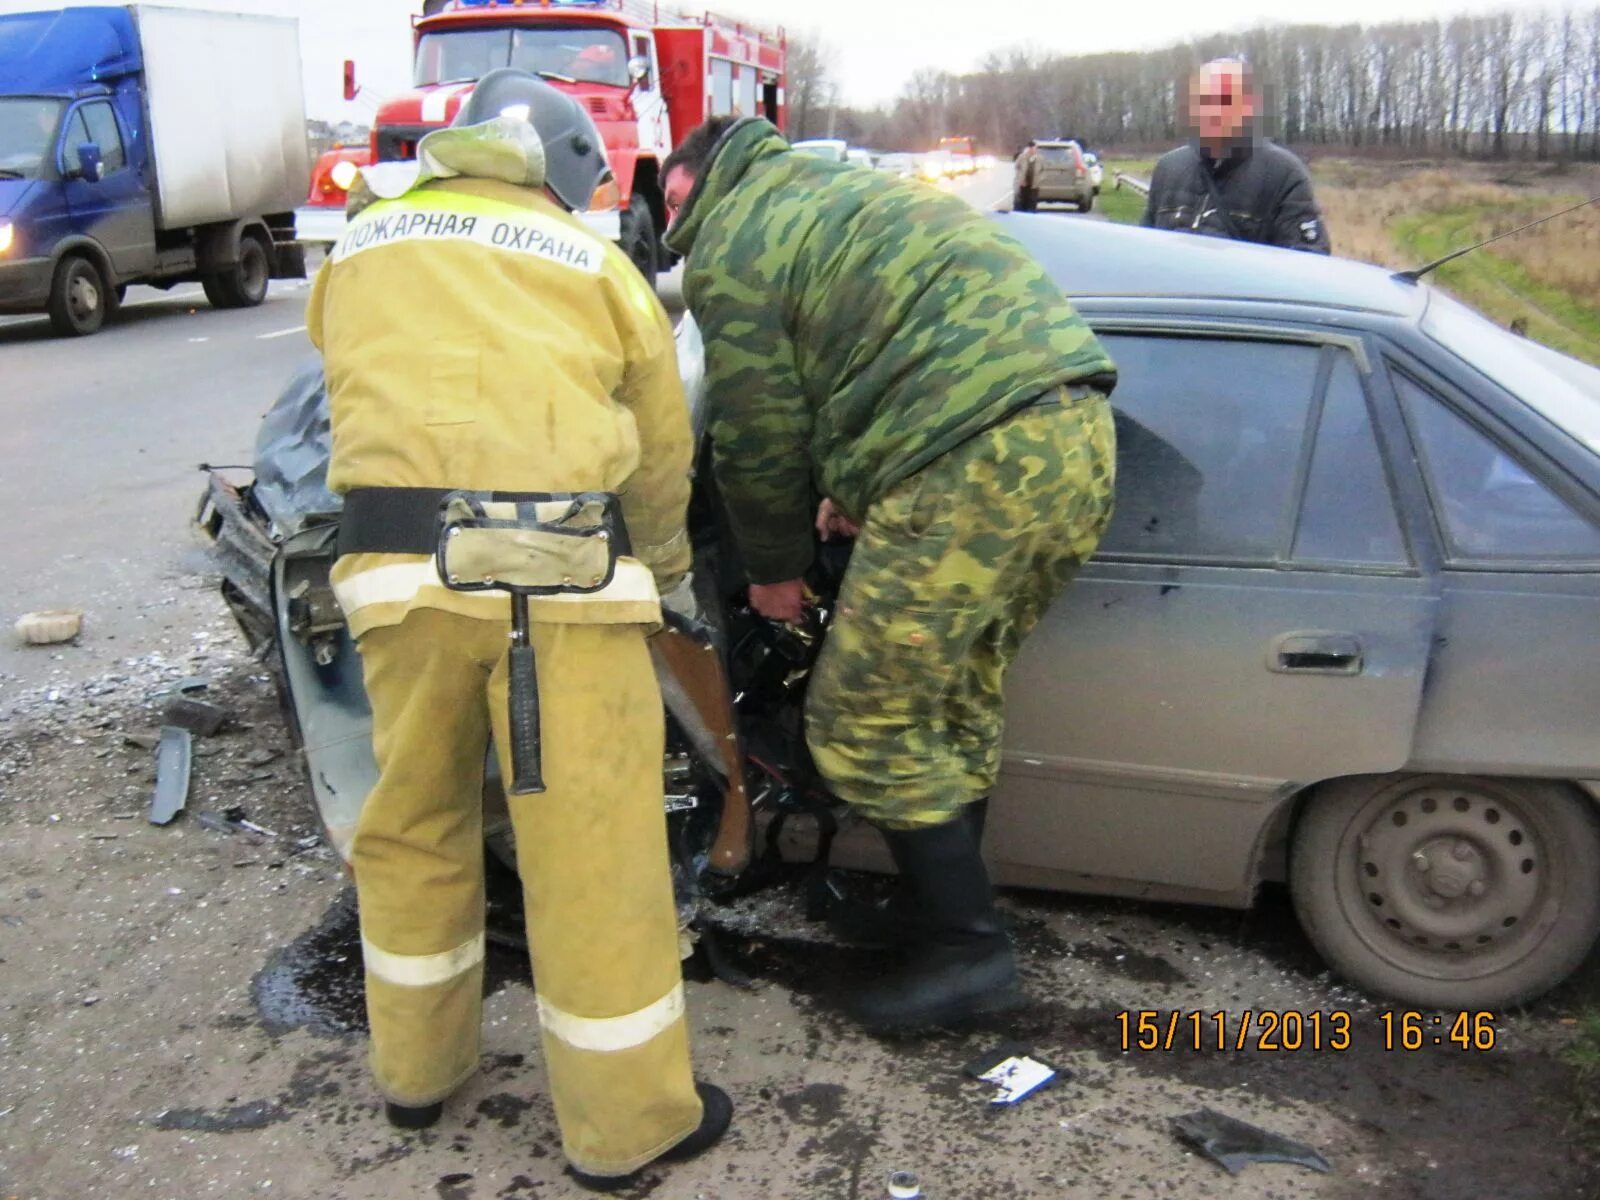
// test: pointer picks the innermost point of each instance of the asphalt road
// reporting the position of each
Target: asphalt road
(101, 438)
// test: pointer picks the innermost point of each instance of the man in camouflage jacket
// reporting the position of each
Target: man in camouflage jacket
(882, 346)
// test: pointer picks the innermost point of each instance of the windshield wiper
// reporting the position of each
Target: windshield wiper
(559, 78)
(8, 173)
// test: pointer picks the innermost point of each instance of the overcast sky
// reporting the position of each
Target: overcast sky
(877, 43)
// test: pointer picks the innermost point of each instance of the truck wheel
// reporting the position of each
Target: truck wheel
(244, 284)
(1449, 891)
(639, 239)
(78, 298)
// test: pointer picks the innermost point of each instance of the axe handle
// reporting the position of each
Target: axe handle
(730, 853)
(527, 768)
(698, 669)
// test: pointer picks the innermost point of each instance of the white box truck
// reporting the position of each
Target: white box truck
(141, 144)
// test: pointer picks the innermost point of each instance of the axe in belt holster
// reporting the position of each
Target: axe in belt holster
(556, 544)
(694, 684)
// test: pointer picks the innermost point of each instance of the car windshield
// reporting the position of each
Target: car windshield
(1562, 389)
(27, 132)
(580, 53)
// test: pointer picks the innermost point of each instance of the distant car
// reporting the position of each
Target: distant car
(1341, 632)
(902, 165)
(859, 158)
(832, 149)
(1097, 172)
(1052, 172)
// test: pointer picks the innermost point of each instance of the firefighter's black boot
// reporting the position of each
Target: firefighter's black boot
(403, 1117)
(895, 921)
(718, 1115)
(961, 965)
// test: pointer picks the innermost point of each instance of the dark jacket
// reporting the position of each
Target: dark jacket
(857, 327)
(1260, 193)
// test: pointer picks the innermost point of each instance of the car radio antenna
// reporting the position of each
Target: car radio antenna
(1413, 275)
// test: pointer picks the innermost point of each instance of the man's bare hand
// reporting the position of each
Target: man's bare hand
(779, 601)
(831, 523)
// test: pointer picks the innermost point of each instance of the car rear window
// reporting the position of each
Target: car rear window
(1058, 155)
(1489, 505)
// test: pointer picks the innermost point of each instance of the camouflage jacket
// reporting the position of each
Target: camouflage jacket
(857, 327)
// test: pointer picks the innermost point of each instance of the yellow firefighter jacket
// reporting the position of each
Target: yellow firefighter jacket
(476, 336)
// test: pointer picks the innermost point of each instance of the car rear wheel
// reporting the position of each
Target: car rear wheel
(244, 284)
(78, 298)
(1449, 891)
(1087, 203)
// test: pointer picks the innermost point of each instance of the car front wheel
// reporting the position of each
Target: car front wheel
(1449, 891)
(79, 303)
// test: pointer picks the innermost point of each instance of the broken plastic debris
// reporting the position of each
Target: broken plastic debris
(1015, 1071)
(904, 1185)
(1235, 1144)
(174, 760)
(184, 687)
(50, 628)
(197, 716)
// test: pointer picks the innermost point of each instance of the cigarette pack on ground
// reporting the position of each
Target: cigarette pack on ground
(1016, 1071)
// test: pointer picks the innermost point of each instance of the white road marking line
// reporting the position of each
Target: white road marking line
(267, 337)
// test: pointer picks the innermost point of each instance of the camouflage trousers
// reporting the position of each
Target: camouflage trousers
(953, 569)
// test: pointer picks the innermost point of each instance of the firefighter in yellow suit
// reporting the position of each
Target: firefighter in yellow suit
(477, 336)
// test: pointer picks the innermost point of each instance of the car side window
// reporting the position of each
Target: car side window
(1489, 506)
(74, 134)
(1209, 434)
(102, 123)
(1348, 514)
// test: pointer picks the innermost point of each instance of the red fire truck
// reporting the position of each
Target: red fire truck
(648, 75)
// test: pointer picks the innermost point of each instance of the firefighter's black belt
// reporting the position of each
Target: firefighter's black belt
(397, 520)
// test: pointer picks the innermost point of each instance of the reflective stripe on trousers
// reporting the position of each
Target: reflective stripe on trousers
(602, 923)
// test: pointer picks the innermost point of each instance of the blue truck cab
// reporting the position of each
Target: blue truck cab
(105, 180)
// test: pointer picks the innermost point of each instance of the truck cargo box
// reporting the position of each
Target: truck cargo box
(227, 114)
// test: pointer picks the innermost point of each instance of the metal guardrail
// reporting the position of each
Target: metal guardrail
(1132, 182)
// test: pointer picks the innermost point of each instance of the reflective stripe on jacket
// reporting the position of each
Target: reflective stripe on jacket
(476, 336)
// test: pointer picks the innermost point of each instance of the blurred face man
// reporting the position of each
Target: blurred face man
(1223, 104)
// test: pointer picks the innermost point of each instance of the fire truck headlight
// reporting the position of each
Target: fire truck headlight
(8, 235)
(344, 175)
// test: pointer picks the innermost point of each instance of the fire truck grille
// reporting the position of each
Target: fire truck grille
(398, 143)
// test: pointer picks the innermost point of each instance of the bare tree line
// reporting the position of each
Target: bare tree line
(1500, 85)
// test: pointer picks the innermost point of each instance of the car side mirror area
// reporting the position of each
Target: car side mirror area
(351, 88)
(91, 166)
(639, 72)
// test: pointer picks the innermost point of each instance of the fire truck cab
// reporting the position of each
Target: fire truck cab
(647, 75)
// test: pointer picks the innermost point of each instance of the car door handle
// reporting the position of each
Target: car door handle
(1312, 653)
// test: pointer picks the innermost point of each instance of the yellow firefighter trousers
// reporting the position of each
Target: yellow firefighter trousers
(592, 853)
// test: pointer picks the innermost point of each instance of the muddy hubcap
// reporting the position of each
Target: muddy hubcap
(83, 297)
(1450, 871)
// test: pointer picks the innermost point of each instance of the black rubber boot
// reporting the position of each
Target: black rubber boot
(403, 1117)
(961, 965)
(713, 1124)
(895, 921)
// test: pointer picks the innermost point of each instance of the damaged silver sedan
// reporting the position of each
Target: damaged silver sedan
(1341, 634)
